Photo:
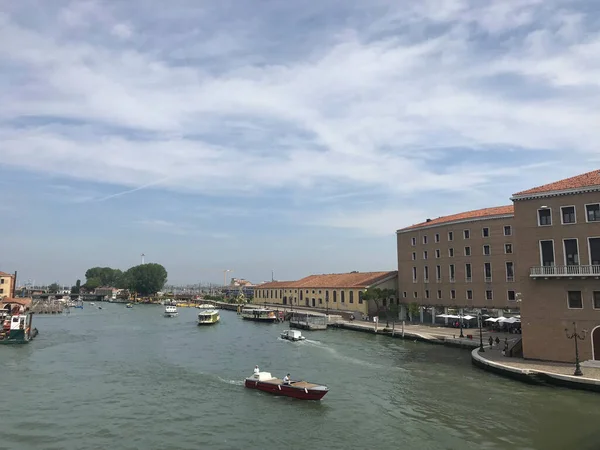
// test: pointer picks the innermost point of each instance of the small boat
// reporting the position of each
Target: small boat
(260, 315)
(171, 311)
(92, 304)
(292, 335)
(208, 317)
(16, 326)
(205, 306)
(99, 307)
(303, 390)
(129, 305)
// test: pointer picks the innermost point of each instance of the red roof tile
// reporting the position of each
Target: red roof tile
(580, 181)
(333, 280)
(4, 274)
(485, 213)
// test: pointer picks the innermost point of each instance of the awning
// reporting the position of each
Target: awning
(469, 317)
(491, 319)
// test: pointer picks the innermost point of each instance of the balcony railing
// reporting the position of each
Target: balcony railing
(565, 271)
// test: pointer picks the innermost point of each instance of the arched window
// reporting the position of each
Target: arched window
(334, 296)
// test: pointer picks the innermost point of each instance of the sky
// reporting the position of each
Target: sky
(277, 135)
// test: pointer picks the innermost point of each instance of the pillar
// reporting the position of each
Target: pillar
(446, 312)
(402, 312)
(421, 313)
(433, 315)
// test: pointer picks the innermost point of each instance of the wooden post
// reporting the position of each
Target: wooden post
(403, 329)
(393, 327)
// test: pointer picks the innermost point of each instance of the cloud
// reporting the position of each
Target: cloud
(397, 99)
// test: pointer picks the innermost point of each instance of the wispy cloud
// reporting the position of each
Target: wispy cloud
(398, 99)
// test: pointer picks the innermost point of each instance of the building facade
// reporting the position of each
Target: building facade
(558, 249)
(7, 284)
(341, 292)
(465, 260)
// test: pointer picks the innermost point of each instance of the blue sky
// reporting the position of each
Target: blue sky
(278, 134)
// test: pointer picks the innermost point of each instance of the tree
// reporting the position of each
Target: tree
(105, 275)
(146, 279)
(92, 283)
(413, 310)
(77, 288)
(378, 296)
(53, 288)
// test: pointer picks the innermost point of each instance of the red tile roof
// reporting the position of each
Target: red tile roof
(26, 301)
(4, 274)
(580, 181)
(333, 280)
(485, 213)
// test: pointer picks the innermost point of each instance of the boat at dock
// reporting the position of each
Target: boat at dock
(171, 311)
(303, 390)
(205, 306)
(260, 315)
(292, 335)
(129, 305)
(16, 325)
(208, 317)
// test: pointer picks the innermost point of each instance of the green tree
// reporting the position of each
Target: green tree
(377, 296)
(92, 283)
(77, 288)
(146, 279)
(105, 275)
(413, 310)
(53, 288)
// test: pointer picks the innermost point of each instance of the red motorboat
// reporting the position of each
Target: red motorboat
(303, 390)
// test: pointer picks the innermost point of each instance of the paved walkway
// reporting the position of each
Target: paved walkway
(495, 355)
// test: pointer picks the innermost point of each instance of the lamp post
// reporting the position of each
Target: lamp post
(481, 350)
(576, 336)
(460, 317)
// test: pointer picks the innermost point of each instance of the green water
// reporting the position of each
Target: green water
(122, 378)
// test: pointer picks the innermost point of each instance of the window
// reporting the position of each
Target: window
(451, 252)
(424, 239)
(426, 274)
(360, 297)
(414, 256)
(574, 299)
(487, 269)
(351, 296)
(468, 273)
(404, 294)
(413, 241)
(507, 230)
(594, 247)
(438, 273)
(425, 254)
(467, 251)
(469, 294)
(567, 214)
(439, 294)
(452, 294)
(508, 249)
(592, 212)
(451, 272)
(466, 234)
(437, 253)
(571, 252)
(342, 297)
(414, 274)
(450, 236)
(415, 294)
(437, 237)
(510, 272)
(489, 295)
(544, 217)
(596, 299)
(547, 253)
(485, 232)
(426, 293)
(511, 296)
(487, 250)
(334, 296)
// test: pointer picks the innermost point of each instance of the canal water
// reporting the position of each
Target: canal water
(122, 378)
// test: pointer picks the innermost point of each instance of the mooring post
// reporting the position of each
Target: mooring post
(393, 327)
(403, 329)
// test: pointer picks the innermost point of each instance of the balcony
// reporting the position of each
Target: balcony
(565, 271)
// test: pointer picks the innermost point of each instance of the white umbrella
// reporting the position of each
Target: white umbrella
(468, 317)
(491, 319)
(501, 319)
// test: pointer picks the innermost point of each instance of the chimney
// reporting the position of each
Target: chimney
(428, 220)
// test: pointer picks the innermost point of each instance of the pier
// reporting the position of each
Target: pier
(47, 307)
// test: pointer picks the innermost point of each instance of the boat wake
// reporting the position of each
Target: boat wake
(232, 382)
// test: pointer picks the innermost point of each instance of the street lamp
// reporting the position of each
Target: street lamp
(576, 336)
(481, 350)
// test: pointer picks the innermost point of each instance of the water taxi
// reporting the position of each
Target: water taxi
(303, 390)
(171, 311)
(208, 317)
(292, 335)
(259, 315)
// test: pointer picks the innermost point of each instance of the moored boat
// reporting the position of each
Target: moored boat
(303, 390)
(129, 305)
(208, 317)
(171, 311)
(292, 335)
(205, 306)
(259, 314)
(16, 325)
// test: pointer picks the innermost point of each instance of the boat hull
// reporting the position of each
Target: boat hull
(17, 337)
(264, 319)
(171, 314)
(285, 390)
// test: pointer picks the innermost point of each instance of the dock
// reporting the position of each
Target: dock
(47, 307)
(308, 320)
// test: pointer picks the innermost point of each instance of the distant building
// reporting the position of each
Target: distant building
(338, 291)
(235, 285)
(107, 291)
(7, 283)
